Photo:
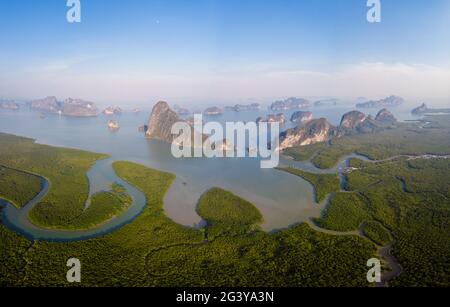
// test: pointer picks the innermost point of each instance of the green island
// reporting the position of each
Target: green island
(402, 201)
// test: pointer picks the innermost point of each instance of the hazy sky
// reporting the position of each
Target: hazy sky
(206, 50)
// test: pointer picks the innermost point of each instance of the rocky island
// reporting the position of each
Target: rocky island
(113, 125)
(423, 110)
(48, 105)
(79, 108)
(290, 104)
(301, 117)
(9, 105)
(161, 121)
(213, 111)
(181, 111)
(272, 118)
(70, 107)
(391, 101)
(320, 130)
(244, 107)
(112, 110)
(326, 103)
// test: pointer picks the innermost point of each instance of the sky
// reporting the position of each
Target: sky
(189, 51)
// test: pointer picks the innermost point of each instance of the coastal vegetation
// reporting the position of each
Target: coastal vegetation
(18, 187)
(64, 168)
(155, 251)
(346, 212)
(226, 213)
(402, 201)
(103, 207)
(324, 184)
(407, 139)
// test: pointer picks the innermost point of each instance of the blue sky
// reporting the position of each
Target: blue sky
(208, 49)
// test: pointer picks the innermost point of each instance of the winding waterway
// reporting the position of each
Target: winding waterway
(283, 199)
(101, 177)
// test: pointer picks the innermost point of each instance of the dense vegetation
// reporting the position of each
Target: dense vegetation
(401, 201)
(346, 212)
(103, 207)
(18, 187)
(154, 251)
(377, 233)
(324, 184)
(64, 168)
(12, 262)
(226, 213)
(408, 139)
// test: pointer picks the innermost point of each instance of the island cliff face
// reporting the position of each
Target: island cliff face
(387, 118)
(161, 121)
(423, 110)
(160, 125)
(49, 105)
(352, 119)
(320, 130)
(272, 118)
(79, 108)
(290, 104)
(391, 101)
(301, 117)
(70, 107)
(314, 131)
(9, 105)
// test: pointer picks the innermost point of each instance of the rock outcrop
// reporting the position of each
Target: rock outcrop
(320, 130)
(9, 105)
(48, 105)
(244, 107)
(314, 131)
(113, 125)
(213, 111)
(301, 117)
(289, 104)
(112, 110)
(420, 110)
(386, 118)
(160, 125)
(391, 101)
(161, 121)
(272, 118)
(326, 103)
(423, 109)
(79, 108)
(352, 119)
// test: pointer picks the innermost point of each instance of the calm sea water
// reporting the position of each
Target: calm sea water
(282, 198)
